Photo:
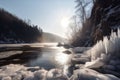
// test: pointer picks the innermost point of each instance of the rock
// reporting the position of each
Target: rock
(78, 66)
(79, 60)
(109, 67)
(32, 69)
(6, 78)
(89, 74)
(59, 44)
(67, 52)
(56, 74)
(16, 77)
(94, 64)
(40, 74)
(111, 72)
(104, 57)
(80, 49)
(112, 62)
(117, 62)
(118, 67)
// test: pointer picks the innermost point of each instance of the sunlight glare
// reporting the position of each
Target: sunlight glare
(62, 58)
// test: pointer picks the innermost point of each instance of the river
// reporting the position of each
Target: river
(46, 55)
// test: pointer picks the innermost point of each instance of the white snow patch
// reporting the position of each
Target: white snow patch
(89, 74)
(20, 72)
(94, 64)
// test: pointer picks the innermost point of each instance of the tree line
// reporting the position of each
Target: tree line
(16, 30)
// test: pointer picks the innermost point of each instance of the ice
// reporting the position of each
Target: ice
(11, 69)
(94, 64)
(40, 74)
(79, 49)
(109, 47)
(56, 74)
(89, 74)
(6, 78)
(104, 54)
(20, 72)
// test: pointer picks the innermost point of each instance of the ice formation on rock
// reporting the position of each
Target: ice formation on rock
(107, 47)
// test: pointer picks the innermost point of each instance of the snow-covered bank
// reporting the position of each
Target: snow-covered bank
(108, 48)
(20, 72)
(105, 55)
(107, 51)
(89, 74)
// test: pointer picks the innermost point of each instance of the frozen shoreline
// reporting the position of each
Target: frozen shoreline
(82, 72)
(85, 67)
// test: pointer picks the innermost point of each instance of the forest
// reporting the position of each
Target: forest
(16, 30)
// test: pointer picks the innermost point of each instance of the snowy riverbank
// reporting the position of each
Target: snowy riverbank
(100, 62)
(20, 72)
(83, 69)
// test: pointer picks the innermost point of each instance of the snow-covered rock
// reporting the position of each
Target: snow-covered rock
(79, 49)
(56, 74)
(40, 74)
(20, 72)
(81, 60)
(89, 74)
(94, 64)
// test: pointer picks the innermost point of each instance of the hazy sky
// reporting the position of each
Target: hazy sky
(45, 13)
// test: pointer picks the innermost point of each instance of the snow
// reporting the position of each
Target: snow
(89, 74)
(20, 72)
(79, 49)
(56, 74)
(104, 54)
(107, 47)
(94, 64)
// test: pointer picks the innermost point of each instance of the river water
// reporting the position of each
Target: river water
(46, 55)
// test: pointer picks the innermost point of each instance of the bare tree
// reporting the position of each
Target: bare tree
(73, 29)
(76, 33)
(81, 9)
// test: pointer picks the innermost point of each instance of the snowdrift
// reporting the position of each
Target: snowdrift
(20, 72)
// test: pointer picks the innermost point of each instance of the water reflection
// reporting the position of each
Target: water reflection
(18, 58)
(62, 58)
(52, 58)
(47, 57)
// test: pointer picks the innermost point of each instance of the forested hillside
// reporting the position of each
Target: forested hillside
(15, 30)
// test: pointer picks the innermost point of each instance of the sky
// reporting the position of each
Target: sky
(47, 14)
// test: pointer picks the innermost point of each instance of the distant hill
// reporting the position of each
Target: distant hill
(16, 30)
(49, 37)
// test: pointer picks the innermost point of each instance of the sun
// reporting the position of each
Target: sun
(65, 22)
